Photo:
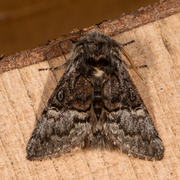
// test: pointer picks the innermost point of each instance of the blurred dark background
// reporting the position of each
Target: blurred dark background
(24, 24)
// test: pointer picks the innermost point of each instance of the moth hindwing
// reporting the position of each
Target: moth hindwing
(95, 104)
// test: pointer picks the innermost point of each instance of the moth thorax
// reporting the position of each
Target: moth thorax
(98, 72)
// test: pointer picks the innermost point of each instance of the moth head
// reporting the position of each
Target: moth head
(97, 54)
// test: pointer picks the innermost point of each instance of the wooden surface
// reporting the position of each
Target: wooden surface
(25, 91)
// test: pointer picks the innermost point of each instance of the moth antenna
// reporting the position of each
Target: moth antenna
(131, 62)
(68, 38)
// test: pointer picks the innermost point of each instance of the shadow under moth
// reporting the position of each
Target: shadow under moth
(95, 104)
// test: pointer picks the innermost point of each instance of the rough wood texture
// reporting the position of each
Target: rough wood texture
(24, 92)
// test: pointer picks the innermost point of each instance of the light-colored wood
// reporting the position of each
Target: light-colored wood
(24, 93)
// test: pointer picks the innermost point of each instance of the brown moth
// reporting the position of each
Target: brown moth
(95, 104)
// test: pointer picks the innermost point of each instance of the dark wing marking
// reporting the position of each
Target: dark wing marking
(64, 122)
(128, 124)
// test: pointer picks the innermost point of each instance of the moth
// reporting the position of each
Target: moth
(95, 105)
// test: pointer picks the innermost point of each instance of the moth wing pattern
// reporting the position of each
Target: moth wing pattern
(95, 104)
(129, 125)
(63, 124)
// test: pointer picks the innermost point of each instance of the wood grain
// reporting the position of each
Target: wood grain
(24, 92)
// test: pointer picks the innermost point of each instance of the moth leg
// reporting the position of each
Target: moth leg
(128, 43)
(66, 64)
(130, 67)
(143, 66)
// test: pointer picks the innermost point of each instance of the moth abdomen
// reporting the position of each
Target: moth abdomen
(97, 101)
